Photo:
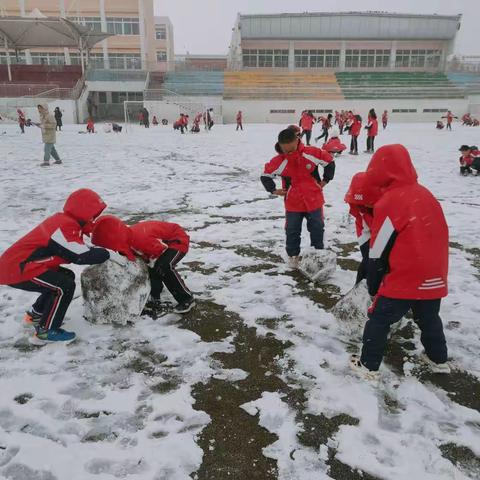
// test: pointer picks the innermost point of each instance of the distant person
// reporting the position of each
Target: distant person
(239, 120)
(385, 119)
(372, 128)
(154, 121)
(49, 137)
(440, 125)
(21, 120)
(146, 117)
(90, 126)
(306, 123)
(326, 125)
(58, 118)
(449, 116)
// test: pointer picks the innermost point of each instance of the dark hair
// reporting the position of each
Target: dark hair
(373, 114)
(358, 117)
(286, 136)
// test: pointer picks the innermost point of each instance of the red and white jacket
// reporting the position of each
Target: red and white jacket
(307, 121)
(299, 171)
(355, 127)
(409, 244)
(372, 127)
(334, 145)
(57, 240)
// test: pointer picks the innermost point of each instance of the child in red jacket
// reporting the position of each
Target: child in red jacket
(361, 199)
(334, 145)
(354, 127)
(372, 128)
(306, 122)
(33, 264)
(90, 126)
(408, 263)
(160, 244)
(302, 187)
(469, 161)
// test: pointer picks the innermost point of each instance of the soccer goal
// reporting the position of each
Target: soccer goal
(132, 111)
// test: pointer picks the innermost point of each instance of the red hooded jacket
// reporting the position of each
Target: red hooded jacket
(373, 130)
(147, 239)
(409, 231)
(334, 145)
(361, 198)
(56, 241)
(356, 127)
(307, 121)
(304, 192)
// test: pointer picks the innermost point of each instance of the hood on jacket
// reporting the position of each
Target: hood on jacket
(361, 192)
(84, 205)
(391, 166)
(110, 232)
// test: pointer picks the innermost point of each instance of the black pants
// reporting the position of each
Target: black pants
(56, 288)
(354, 144)
(449, 126)
(384, 125)
(293, 230)
(370, 143)
(308, 135)
(239, 126)
(164, 273)
(323, 135)
(22, 127)
(386, 312)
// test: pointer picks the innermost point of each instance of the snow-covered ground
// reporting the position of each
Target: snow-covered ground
(254, 383)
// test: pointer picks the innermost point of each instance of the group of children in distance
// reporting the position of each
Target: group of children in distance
(401, 230)
(348, 121)
(182, 122)
(34, 263)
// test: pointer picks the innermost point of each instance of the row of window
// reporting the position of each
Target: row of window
(115, 25)
(330, 58)
(265, 58)
(120, 97)
(161, 32)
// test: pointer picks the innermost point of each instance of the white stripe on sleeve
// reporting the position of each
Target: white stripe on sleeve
(74, 247)
(384, 235)
(315, 160)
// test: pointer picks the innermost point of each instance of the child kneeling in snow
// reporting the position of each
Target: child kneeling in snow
(334, 145)
(160, 244)
(470, 160)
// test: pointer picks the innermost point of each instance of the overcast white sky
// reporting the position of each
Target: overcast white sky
(204, 26)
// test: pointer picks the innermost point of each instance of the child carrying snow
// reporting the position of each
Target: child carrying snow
(160, 244)
(302, 188)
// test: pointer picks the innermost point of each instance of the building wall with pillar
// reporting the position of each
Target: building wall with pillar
(343, 41)
(133, 47)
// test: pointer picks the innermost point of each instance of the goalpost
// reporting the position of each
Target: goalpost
(131, 113)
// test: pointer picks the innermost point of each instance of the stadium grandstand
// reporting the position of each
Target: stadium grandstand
(277, 65)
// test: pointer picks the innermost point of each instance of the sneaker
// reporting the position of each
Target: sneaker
(474, 172)
(355, 153)
(360, 369)
(32, 318)
(42, 337)
(293, 262)
(45, 164)
(58, 162)
(184, 307)
(435, 367)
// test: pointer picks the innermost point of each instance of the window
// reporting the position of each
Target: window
(92, 23)
(317, 58)
(418, 58)
(123, 26)
(367, 58)
(120, 97)
(404, 110)
(435, 110)
(282, 111)
(95, 60)
(265, 58)
(125, 61)
(13, 58)
(161, 55)
(161, 32)
(321, 111)
(40, 58)
(102, 97)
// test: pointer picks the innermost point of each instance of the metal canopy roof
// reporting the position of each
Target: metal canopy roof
(22, 33)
